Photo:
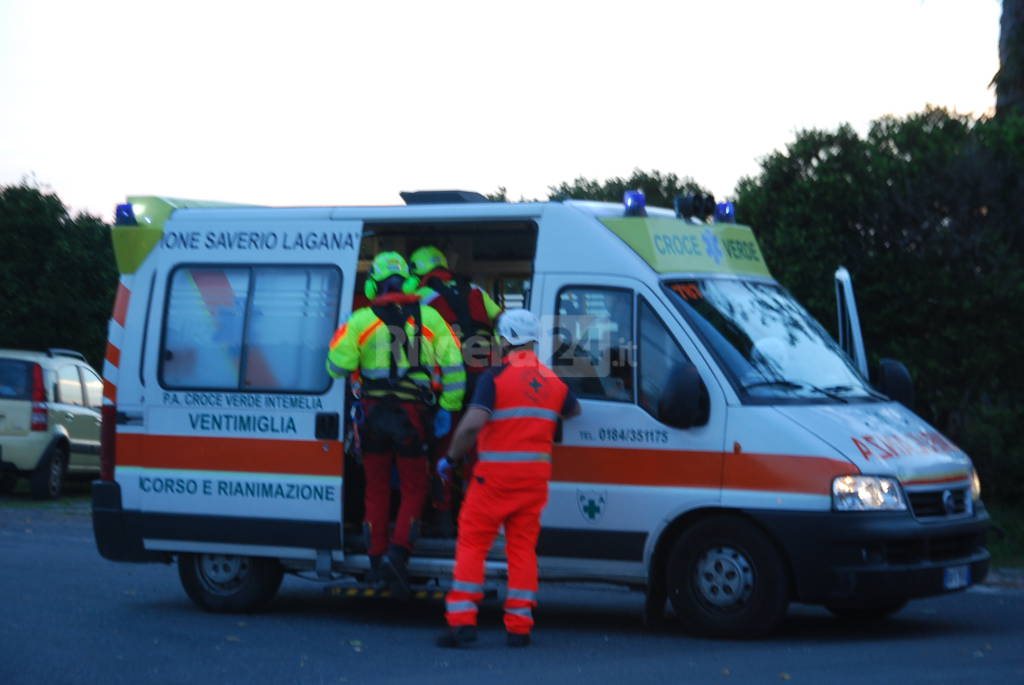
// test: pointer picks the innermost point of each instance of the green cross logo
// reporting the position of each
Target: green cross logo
(591, 504)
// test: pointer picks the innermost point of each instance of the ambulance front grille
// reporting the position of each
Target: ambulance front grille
(937, 503)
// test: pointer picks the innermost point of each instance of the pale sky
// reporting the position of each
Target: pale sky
(331, 103)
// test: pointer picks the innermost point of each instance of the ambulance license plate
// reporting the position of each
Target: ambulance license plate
(956, 577)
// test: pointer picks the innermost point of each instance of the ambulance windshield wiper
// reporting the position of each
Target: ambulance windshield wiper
(827, 392)
(867, 390)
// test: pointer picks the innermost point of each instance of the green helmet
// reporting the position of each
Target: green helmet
(388, 264)
(427, 258)
(385, 265)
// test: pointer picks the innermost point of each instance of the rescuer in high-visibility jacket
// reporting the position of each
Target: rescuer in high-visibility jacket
(467, 307)
(512, 417)
(471, 313)
(397, 350)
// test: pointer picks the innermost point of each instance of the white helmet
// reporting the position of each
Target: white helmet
(519, 326)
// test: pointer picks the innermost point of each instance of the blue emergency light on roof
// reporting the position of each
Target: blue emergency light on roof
(124, 215)
(725, 213)
(636, 203)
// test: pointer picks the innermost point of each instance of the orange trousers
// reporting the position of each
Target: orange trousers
(493, 501)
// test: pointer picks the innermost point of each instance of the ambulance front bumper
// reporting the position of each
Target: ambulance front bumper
(118, 532)
(839, 557)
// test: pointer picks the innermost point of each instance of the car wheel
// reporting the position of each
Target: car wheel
(48, 478)
(868, 611)
(726, 578)
(227, 582)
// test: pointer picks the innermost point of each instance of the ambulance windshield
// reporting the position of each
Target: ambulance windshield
(771, 346)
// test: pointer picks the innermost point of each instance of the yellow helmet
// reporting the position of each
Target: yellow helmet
(427, 258)
(384, 266)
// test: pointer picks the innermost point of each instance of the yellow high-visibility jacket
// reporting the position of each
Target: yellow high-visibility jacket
(365, 344)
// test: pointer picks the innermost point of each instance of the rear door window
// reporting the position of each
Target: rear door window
(15, 380)
(93, 388)
(249, 328)
(69, 386)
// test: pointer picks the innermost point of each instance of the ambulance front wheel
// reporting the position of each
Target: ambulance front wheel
(229, 583)
(725, 578)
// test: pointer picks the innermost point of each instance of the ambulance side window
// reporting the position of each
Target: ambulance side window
(249, 328)
(594, 342)
(658, 354)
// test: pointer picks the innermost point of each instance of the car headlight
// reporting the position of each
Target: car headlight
(975, 485)
(867, 493)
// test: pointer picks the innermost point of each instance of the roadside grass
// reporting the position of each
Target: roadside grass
(1007, 543)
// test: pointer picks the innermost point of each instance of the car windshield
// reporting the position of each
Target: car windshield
(14, 380)
(770, 346)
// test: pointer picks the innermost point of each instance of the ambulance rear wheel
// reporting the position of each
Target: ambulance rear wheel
(725, 578)
(229, 583)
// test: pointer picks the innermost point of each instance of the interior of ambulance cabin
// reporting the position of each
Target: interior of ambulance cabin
(497, 256)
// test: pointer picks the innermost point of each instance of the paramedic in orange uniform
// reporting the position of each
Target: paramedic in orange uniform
(512, 418)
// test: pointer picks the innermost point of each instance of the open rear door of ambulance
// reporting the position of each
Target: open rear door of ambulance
(850, 337)
(241, 452)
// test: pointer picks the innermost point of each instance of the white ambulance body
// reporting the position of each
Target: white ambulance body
(730, 456)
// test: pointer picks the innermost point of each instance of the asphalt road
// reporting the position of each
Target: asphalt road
(69, 616)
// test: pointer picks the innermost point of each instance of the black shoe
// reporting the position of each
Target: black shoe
(395, 568)
(375, 577)
(457, 637)
(517, 639)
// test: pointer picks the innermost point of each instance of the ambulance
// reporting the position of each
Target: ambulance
(731, 457)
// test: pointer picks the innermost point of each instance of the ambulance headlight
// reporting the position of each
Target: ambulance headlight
(975, 485)
(867, 493)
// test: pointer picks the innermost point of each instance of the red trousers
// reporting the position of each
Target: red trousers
(413, 479)
(493, 501)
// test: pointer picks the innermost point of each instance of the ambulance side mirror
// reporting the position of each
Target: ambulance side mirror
(684, 400)
(892, 379)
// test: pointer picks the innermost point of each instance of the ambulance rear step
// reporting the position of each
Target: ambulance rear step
(353, 589)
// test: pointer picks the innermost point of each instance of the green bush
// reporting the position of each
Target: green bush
(57, 274)
(925, 212)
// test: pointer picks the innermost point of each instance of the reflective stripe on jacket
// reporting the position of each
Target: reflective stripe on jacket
(528, 401)
(365, 344)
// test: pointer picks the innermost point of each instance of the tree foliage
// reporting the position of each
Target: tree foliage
(659, 188)
(57, 274)
(925, 212)
(1009, 80)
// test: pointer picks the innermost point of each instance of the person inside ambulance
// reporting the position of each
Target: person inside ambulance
(393, 348)
(512, 419)
(471, 313)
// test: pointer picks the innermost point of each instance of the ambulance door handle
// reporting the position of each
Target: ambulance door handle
(328, 425)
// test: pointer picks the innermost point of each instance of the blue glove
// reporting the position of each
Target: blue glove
(444, 468)
(442, 423)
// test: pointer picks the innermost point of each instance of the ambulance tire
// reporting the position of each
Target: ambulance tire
(226, 583)
(872, 611)
(725, 578)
